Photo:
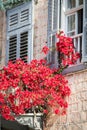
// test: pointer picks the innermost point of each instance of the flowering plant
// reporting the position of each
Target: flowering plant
(34, 86)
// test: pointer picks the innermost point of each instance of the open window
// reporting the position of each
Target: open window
(74, 23)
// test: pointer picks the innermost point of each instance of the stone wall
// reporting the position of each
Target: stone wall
(2, 38)
(76, 118)
(40, 27)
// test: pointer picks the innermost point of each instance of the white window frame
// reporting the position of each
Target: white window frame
(71, 11)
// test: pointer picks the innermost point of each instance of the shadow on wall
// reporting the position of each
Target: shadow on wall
(13, 125)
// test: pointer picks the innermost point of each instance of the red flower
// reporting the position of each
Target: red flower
(57, 111)
(45, 111)
(45, 49)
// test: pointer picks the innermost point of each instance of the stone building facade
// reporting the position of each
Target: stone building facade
(76, 118)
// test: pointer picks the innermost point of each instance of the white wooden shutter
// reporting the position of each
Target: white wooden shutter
(19, 32)
(84, 45)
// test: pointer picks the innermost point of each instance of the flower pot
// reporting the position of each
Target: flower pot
(34, 121)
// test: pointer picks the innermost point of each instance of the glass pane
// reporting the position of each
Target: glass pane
(71, 3)
(80, 2)
(71, 23)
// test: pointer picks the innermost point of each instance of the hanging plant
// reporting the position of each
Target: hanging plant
(34, 87)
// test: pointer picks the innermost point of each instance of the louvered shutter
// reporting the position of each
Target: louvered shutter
(50, 16)
(84, 45)
(52, 30)
(19, 16)
(19, 32)
(55, 15)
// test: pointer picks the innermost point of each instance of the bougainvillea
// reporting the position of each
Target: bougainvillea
(65, 46)
(33, 86)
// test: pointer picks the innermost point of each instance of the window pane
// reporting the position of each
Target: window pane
(80, 2)
(71, 3)
(71, 23)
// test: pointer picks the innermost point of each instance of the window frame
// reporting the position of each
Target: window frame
(69, 12)
(80, 66)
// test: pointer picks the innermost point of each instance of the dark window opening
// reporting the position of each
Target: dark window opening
(80, 21)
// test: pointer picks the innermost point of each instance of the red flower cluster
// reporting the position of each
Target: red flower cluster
(25, 86)
(66, 48)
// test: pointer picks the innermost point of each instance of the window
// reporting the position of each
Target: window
(74, 17)
(74, 23)
(52, 29)
(19, 32)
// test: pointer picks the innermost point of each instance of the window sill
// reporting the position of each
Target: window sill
(75, 68)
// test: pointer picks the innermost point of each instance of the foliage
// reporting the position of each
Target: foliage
(7, 4)
(34, 86)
